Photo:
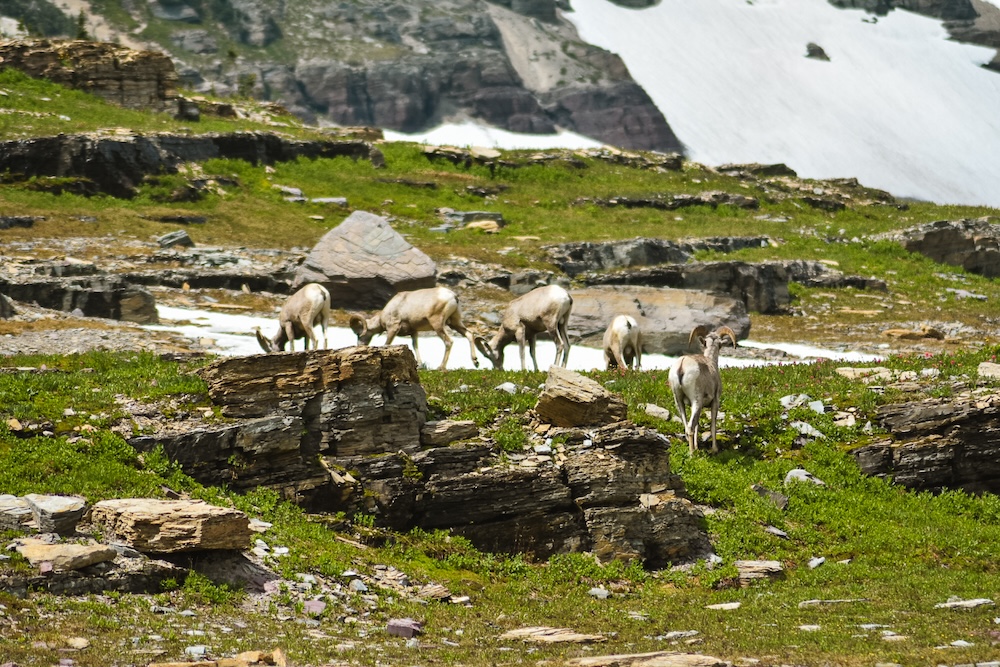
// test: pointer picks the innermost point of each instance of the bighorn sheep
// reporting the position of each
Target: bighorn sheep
(622, 343)
(301, 313)
(542, 309)
(695, 380)
(410, 312)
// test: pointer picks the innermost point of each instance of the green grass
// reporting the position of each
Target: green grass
(904, 552)
(895, 553)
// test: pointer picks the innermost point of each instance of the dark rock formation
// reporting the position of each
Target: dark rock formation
(665, 316)
(816, 52)
(973, 245)
(118, 163)
(105, 296)
(340, 431)
(949, 10)
(364, 262)
(674, 202)
(939, 444)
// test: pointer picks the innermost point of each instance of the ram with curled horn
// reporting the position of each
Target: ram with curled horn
(695, 381)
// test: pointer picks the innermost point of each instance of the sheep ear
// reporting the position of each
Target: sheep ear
(726, 331)
(358, 325)
(265, 344)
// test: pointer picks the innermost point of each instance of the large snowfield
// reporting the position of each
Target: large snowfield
(898, 105)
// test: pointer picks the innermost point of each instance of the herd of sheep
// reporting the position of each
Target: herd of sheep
(694, 378)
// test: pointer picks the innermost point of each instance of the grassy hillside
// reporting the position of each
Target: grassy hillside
(891, 555)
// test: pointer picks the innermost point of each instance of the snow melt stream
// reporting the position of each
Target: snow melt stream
(232, 335)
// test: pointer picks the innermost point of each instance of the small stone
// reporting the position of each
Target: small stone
(314, 607)
(404, 627)
(800, 475)
(599, 592)
(724, 606)
(358, 586)
(78, 643)
(507, 387)
(816, 562)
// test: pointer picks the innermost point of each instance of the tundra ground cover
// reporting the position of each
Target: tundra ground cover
(891, 553)
(904, 552)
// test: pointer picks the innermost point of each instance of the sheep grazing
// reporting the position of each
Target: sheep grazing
(622, 343)
(298, 318)
(410, 312)
(542, 309)
(695, 380)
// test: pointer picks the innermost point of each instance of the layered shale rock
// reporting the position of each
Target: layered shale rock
(972, 244)
(939, 444)
(347, 431)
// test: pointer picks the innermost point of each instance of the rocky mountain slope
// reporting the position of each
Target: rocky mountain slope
(518, 65)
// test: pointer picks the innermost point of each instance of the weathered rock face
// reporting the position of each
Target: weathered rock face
(364, 262)
(572, 399)
(341, 431)
(107, 296)
(973, 245)
(117, 164)
(171, 526)
(762, 287)
(6, 308)
(665, 316)
(123, 76)
(939, 444)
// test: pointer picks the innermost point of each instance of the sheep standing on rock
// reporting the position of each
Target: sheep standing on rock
(695, 380)
(622, 343)
(298, 318)
(408, 313)
(542, 309)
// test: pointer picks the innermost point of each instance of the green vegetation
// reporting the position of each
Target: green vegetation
(895, 553)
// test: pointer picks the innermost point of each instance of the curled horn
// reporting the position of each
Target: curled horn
(264, 342)
(484, 348)
(358, 325)
(699, 331)
(726, 331)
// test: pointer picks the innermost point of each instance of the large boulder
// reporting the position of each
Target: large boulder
(572, 399)
(665, 316)
(364, 262)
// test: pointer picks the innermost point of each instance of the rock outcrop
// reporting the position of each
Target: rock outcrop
(572, 399)
(341, 431)
(115, 164)
(108, 296)
(364, 262)
(590, 256)
(939, 444)
(117, 74)
(973, 245)
(171, 526)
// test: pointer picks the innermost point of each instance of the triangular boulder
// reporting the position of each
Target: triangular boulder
(364, 262)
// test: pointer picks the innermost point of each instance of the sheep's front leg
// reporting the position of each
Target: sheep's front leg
(290, 335)
(531, 348)
(446, 339)
(519, 336)
(416, 352)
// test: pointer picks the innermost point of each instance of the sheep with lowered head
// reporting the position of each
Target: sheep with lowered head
(622, 343)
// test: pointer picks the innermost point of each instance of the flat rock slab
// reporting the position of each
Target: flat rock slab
(15, 513)
(56, 514)
(547, 635)
(757, 570)
(64, 556)
(171, 526)
(446, 431)
(656, 659)
(572, 399)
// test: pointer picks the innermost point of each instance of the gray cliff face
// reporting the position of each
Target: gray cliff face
(407, 66)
